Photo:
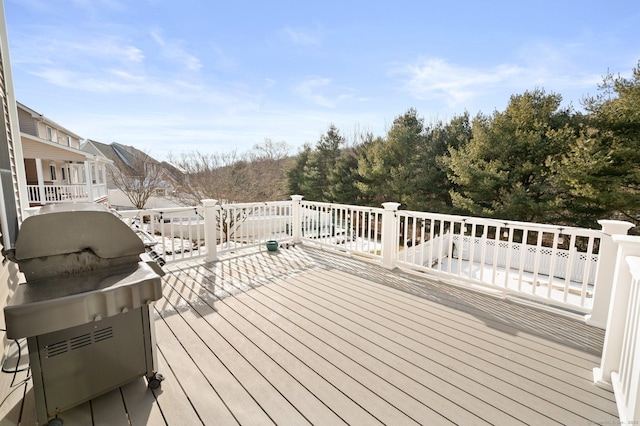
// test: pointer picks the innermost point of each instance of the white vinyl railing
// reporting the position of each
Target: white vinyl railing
(251, 224)
(352, 229)
(171, 234)
(550, 264)
(175, 234)
(626, 381)
(544, 262)
(65, 193)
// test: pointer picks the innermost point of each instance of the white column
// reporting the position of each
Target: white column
(89, 184)
(606, 270)
(612, 349)
(40, 175)
(211, 208)
(389, 240)
(296, 219)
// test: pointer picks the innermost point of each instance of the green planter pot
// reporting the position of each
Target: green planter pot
(272, 245)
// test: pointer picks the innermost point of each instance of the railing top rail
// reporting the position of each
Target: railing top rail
(262, 203)
(159, 210)
(543, 227)
(343, 206)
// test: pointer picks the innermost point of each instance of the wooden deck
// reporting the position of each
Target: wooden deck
(304, 336)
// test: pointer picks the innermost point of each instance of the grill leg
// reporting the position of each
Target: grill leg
(154, 378)
(150, 339)
(38, 385)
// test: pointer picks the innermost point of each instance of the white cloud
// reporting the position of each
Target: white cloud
(321, 91)
(173, 50)
(110, 49)
(458, 85)
(437, 79)
(75, 49)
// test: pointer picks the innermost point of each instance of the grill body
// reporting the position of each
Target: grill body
(85, 308)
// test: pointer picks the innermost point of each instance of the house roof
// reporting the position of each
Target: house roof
(125, 155)
(41, 117)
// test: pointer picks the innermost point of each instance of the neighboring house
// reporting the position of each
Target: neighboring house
(57, 170)
(123, 157)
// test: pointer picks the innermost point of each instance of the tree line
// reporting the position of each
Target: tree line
(535, 161)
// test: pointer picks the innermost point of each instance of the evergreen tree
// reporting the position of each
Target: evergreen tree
(343, 178)
(295, 175)
(315, 184)
(437, 187)
(392, 167)
(601, 173)
(503, 171)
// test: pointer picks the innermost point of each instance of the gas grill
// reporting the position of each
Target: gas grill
(86, 305)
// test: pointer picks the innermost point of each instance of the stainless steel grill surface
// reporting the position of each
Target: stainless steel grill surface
(85, 305)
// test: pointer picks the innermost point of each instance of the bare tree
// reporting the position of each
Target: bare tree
(138, 176)
(259, 175)
(256, 176)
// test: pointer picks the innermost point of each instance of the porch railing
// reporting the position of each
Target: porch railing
(65, 193)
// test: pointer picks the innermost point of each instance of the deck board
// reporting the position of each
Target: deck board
(108, 410)
(474, 362)
(522, 365)
(304, 336)
(400, 362)
(312, 350)
(207, 355)
(141, 405)
(436, 372)
(174, 403)
(368, 359)
(197, 387)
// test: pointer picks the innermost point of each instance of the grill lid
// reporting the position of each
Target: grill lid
(64, 239)
(69, 228)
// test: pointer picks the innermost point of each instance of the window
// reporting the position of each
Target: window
(49, 133)
(62, 170)
(52, 168)
(68, 140)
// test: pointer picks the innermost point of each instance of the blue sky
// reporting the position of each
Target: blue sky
(180, 76)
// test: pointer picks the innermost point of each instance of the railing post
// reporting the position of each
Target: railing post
(40, 175)
(389, 240)
(612, 349)
(606, 269)
(626, 381)
(210, 234)
(296, 219)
